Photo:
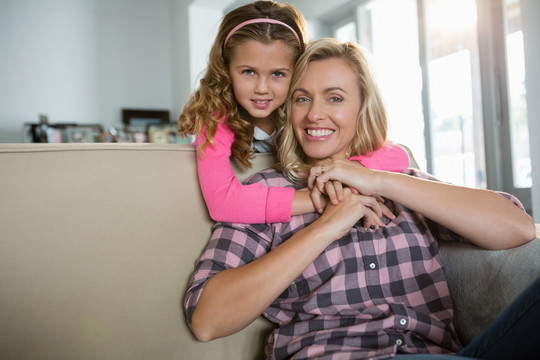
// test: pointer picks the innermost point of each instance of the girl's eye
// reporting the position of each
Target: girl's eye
(248, 72)
(279, 74)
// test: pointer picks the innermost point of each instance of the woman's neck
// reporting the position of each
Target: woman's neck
(316, 162)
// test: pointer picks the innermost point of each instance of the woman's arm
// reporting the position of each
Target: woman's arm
(484, 217)
(233, 298)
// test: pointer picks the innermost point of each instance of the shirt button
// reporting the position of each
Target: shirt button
(372, 266)
(403, 322)
(399, 342)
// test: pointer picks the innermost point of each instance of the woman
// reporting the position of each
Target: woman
(334, 288)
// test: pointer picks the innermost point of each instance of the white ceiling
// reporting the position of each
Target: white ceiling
(311, 9)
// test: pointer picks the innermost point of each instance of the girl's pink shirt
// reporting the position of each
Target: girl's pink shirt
(230, 201)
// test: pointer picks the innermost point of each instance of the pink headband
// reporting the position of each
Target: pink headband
(261, 20)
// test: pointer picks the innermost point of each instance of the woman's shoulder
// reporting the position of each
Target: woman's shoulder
(269, 177)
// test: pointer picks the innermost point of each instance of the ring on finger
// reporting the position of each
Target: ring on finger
(322, 169)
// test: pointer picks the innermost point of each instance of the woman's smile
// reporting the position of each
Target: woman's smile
(318, 134)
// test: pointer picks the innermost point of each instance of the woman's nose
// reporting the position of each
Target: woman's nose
(316, 111)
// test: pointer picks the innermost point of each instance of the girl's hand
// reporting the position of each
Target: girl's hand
(380, 210)
(333, 191)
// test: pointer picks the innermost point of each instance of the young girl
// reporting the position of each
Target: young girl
(238, 107)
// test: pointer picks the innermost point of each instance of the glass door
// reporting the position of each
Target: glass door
(518, 129)
(455, 101)
(502, 53)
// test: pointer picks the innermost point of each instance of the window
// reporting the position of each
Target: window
(452, 71)
(452, 63)
(396, 63)
(519, 134)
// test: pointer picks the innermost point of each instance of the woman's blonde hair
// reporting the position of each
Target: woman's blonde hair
(371, 124)
(214, 99)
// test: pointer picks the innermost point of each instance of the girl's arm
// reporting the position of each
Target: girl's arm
(228, 200)
(484, 217)
(391, 157)
(225, 196)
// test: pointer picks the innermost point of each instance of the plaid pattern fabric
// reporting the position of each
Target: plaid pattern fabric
(371, 294)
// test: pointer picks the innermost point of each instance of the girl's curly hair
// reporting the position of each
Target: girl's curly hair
(214, 99)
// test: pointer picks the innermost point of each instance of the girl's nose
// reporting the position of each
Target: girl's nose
(261, 87)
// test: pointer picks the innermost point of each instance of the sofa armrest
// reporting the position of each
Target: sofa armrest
(484, 282)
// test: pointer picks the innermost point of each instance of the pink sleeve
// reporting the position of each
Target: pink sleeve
(391, 157)
(225, 196)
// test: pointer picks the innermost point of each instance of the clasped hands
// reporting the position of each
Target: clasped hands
(346, 184)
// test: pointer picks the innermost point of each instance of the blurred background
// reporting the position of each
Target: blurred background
(460, 78)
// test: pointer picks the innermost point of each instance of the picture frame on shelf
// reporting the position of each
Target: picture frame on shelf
(165, 134)
(144, 117)
(62, 132)
(137, 122)
(90, 133)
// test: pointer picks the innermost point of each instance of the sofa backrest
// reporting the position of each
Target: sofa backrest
(97, 243)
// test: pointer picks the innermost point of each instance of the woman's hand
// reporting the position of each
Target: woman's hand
(327, 179)
(350, 173)
(374, 203)
(340, 217)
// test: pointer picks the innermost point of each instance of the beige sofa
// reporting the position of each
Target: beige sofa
(97, 242)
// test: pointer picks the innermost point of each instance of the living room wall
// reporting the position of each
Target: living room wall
(83, 60)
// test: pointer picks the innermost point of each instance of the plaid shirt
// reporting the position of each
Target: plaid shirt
(371, 294)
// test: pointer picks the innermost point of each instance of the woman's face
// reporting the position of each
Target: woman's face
(325, 108)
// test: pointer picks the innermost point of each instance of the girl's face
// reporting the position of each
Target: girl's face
(260, 76)
(325, 109)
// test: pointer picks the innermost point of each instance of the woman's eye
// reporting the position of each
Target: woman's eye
(336, 99)
(301, 99)
(279, 74)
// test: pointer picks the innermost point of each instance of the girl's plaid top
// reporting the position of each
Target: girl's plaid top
(371, 294)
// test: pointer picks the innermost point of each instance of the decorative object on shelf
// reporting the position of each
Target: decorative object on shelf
(137, 122)
(166, 134)
(145, 117)
(44, 132)
(139, 126)
(82, 133)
